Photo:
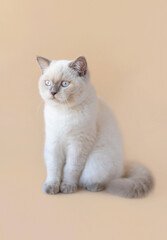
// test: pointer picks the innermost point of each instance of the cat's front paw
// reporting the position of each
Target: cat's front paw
(96, 187)
(68, 188)
(51, 188)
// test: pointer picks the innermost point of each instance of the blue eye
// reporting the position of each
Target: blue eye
(47, 83)
(65, 83)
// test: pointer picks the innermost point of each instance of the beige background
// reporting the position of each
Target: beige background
(125, 43)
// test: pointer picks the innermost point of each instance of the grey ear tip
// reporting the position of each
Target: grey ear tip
(38, 57)
(82, 57)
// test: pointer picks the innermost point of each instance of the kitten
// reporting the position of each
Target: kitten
(83, 145)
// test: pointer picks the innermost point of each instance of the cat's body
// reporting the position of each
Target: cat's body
(83, 145)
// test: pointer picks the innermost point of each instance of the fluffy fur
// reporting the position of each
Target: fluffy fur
(83, 145)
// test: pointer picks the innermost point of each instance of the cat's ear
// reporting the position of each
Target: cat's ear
(79, 65)
(43, 63)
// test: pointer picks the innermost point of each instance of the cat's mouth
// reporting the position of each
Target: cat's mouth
(55, 99)
(60, 99)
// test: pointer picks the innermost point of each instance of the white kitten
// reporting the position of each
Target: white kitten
(83, 145)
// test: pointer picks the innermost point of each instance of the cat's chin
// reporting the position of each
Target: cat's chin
(54, 100)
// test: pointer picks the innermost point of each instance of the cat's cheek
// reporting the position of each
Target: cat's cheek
(46, 95)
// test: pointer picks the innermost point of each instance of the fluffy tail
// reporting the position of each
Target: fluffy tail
(136, 182)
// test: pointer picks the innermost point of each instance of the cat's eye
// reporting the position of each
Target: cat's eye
(65, 83)
(47, 83)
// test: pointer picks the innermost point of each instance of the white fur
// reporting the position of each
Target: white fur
(83, 144)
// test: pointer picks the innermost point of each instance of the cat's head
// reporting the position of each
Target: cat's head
(63, 81)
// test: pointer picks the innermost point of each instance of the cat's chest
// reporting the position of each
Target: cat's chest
(61, 124)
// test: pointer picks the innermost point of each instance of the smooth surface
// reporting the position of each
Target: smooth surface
(125, 43)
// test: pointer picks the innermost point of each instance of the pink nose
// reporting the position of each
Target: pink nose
(54, 90)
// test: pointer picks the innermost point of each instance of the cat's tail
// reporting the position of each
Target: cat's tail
(136, 182)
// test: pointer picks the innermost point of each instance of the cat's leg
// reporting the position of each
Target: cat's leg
(95, 173)
(75, 161)
(54, 164)
(101, 166)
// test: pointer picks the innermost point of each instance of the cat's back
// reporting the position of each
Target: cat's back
(106, 121)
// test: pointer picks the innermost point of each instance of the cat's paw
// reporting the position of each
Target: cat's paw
(95, 187)
(68, 188)
(51, 188)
